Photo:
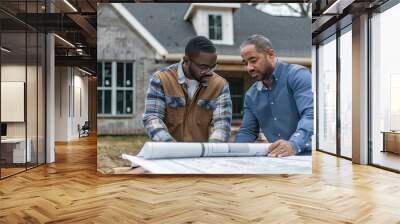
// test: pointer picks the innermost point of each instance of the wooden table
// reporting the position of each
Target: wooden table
(13, 150)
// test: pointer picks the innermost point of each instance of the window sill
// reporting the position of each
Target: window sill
(222, 42)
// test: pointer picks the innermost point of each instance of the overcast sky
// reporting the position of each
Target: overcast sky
(281, 9)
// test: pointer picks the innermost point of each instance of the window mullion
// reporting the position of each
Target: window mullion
(114, 87)
(133, 88)
(124, 85)
(102, 91)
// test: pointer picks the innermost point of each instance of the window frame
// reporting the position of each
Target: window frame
(115, 88)
(215, 27)
(233, 83)
(124, 89)
(333, 37)
(339, 26)
(371, 15)
(103, 88)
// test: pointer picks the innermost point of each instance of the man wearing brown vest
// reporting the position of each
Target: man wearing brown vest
(187, 101)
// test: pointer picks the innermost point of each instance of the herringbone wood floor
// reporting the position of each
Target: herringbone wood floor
(70, 191)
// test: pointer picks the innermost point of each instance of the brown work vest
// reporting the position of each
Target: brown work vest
(189, 120)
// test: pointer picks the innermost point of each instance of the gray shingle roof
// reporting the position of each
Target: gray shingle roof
(290, 36)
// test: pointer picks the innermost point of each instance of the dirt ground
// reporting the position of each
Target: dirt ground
(110, 149)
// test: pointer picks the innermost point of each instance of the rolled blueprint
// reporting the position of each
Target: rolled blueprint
(163, 150)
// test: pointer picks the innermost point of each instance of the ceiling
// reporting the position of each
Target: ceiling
(330, 15)
(74, 22)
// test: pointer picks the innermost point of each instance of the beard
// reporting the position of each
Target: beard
(192, 74)
(262, 75)
(256, 76)
(197, 78)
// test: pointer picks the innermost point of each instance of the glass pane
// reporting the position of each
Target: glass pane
(218, 21)
(120, 102)
(107, 101)
(99, 101)
(14, 153)
(128, 102)
(236, 89)
(327, 97)
(212, 33)
(385, 89)
(120, 74)
(218, 27)
(107, 74)
(99, 74)
(237, 107)
(346, 94)
(211, 20)
(211, 29)
(41, 100)
(219, 34)
(215, 27)
(31, 99)
(129, 74)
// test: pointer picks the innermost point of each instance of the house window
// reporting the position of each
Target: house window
(115, 88)
(236, 89)
(124, 88)
(215, 27)
(104, 89)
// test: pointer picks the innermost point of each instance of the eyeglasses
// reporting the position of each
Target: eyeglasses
(204, 67)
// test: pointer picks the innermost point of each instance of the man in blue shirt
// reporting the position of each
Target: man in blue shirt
(280, 103)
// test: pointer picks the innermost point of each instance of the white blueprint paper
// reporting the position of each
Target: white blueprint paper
(225, 165)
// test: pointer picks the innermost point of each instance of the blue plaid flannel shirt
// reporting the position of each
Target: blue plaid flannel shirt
(155, 106)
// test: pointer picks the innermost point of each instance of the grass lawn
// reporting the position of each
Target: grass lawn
(110, 149)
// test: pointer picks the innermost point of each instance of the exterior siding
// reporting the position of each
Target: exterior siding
(117, 41)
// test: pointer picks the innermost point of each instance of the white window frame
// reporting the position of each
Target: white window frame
(222, 27)
(102, 88)
(114, 88)
(124, 88)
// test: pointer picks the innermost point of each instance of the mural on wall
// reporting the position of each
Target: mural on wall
(131, 48)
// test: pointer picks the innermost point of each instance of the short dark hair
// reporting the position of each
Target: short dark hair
(199, 44)
(260, 42)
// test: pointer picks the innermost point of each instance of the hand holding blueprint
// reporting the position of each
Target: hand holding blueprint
(215, 158)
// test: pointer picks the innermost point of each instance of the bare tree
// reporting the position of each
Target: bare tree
(298, 9)
(302, 10)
